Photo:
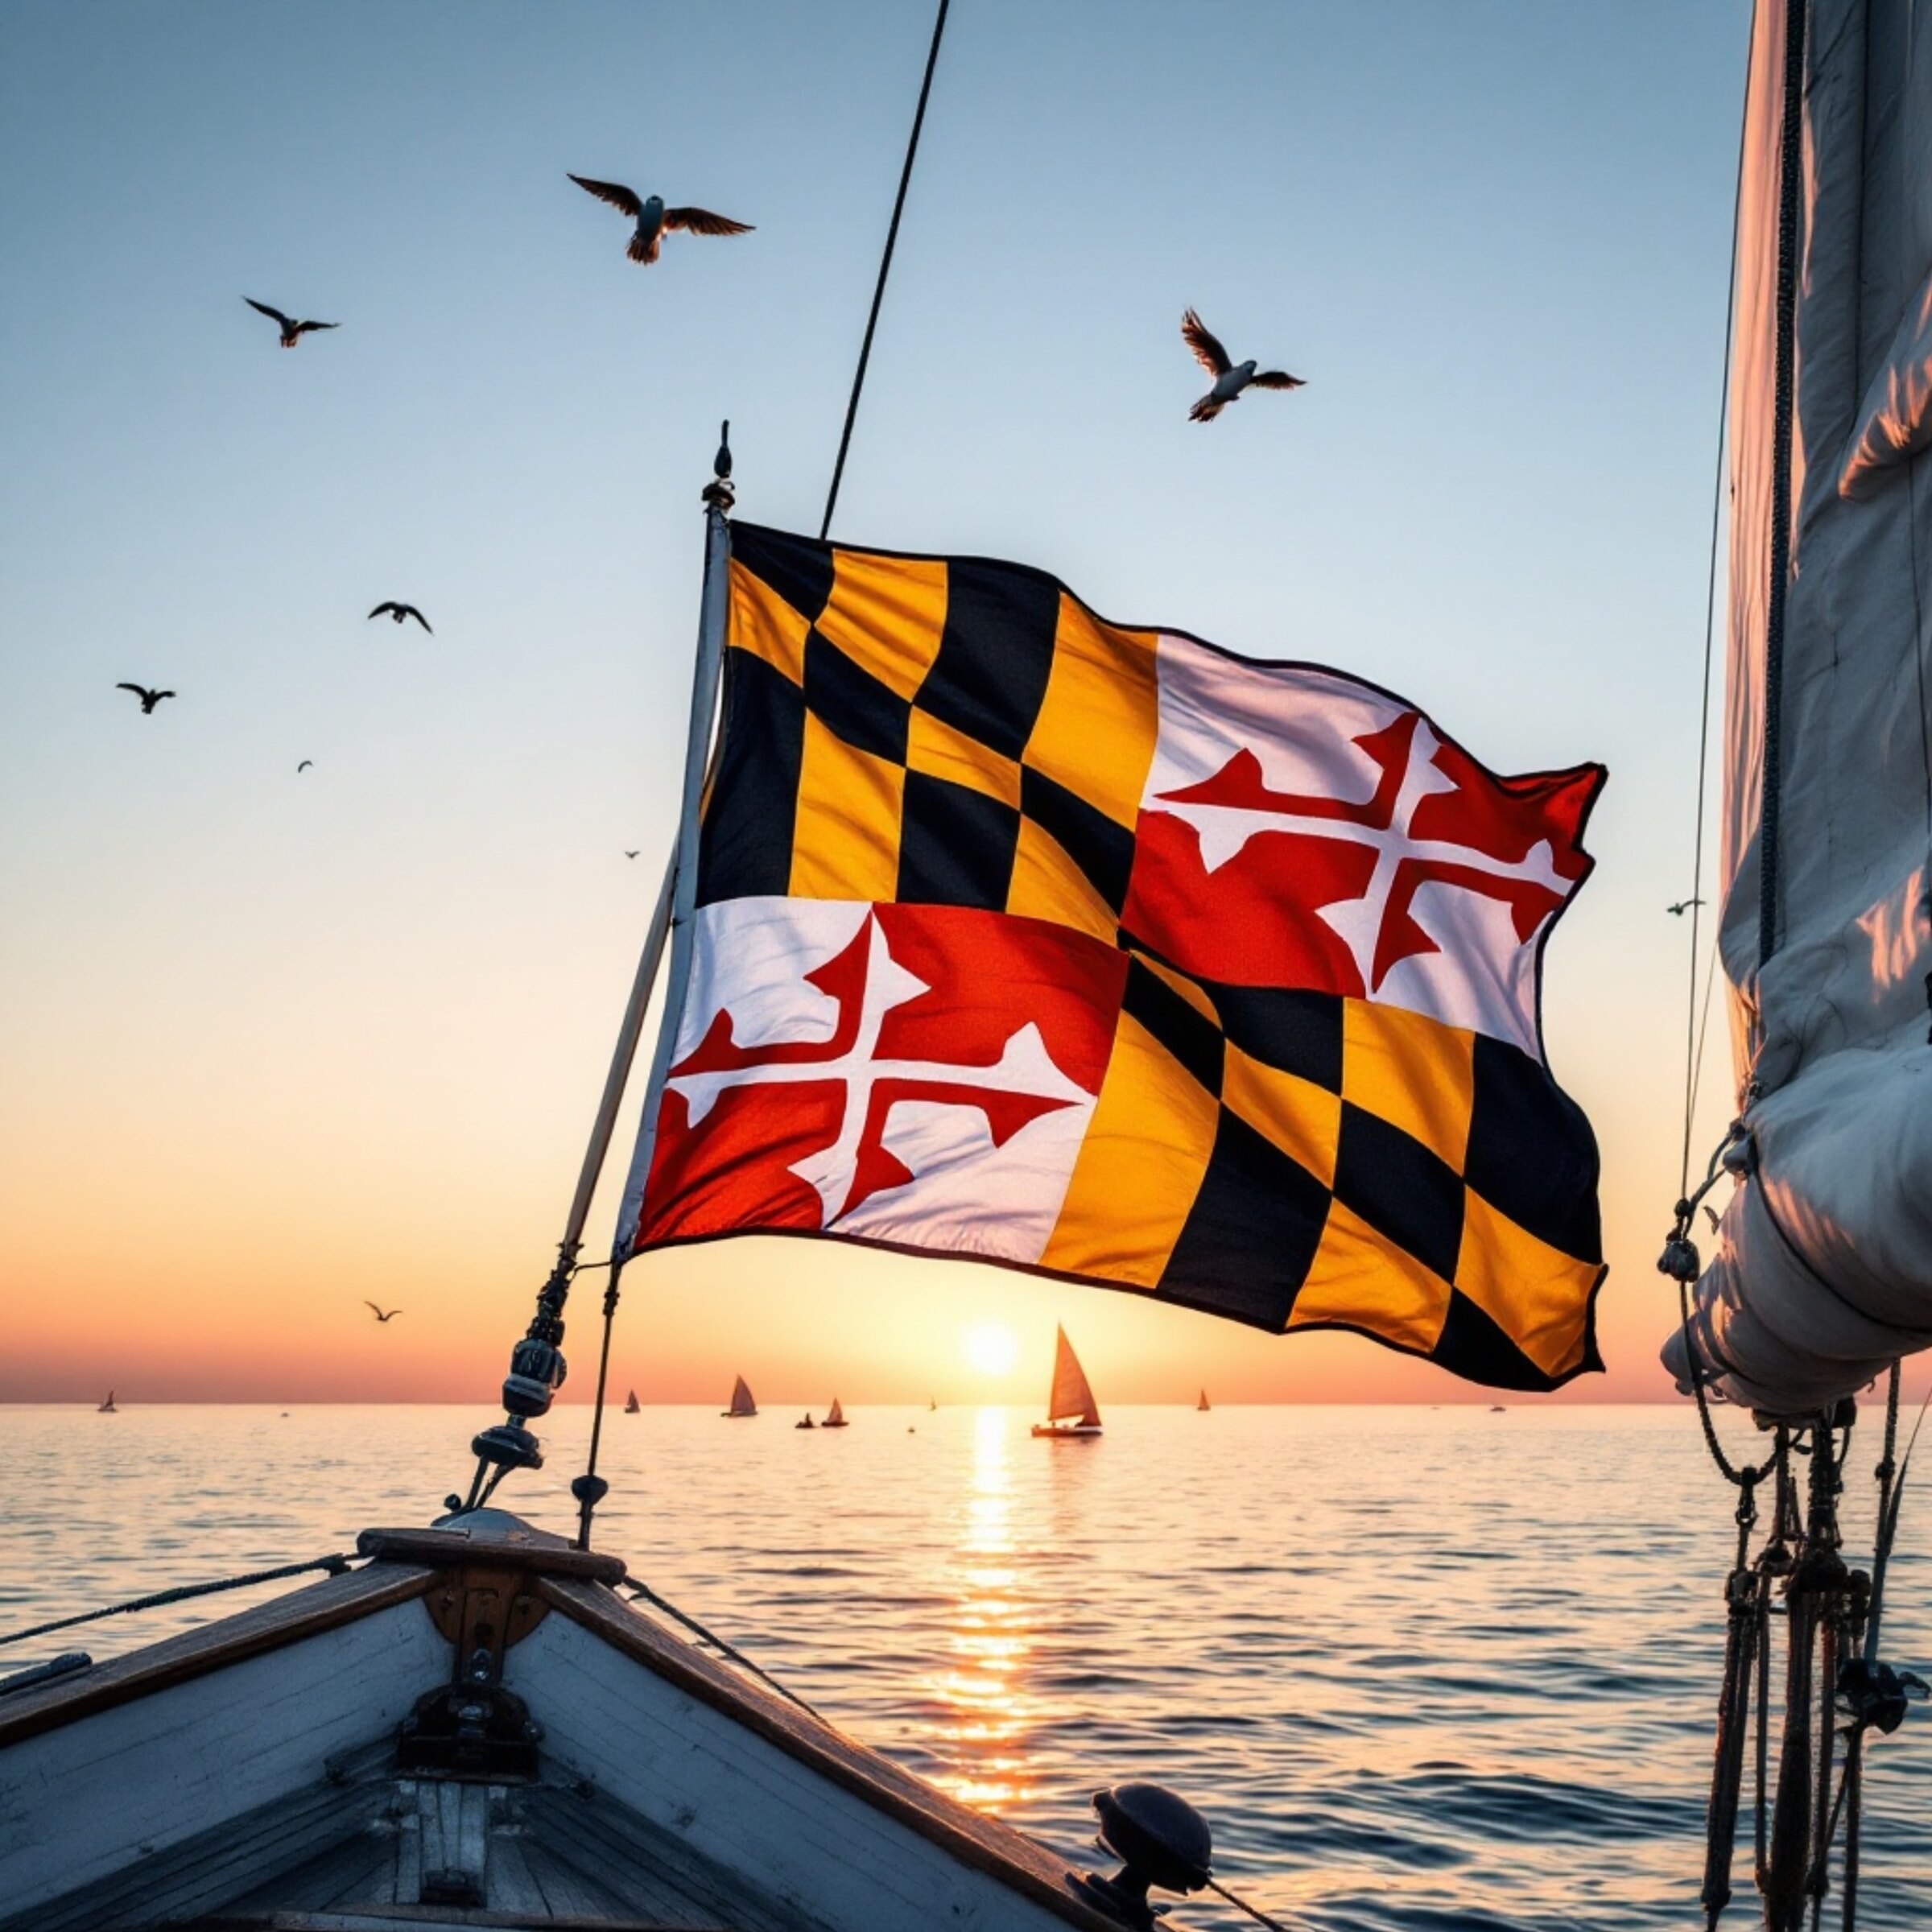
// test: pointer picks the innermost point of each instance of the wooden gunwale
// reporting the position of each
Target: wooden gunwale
(176, 1660)
(524, 1548)
(980, 1843)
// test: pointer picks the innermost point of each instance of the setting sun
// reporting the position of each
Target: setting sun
(991, 1348)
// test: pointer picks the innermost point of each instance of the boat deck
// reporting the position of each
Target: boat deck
(533, 1856)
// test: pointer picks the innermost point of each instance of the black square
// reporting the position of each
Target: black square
(1531, 1152)
(1193, 1038)
(1400, 1189)
(1103, 850)
(1473, 1346)
(848, 700)
(956, 846)
(1298, 1031)
(796, 567)
(745, 843)
(989, 677)
(1252, 1232)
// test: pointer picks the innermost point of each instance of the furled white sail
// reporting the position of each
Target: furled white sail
(1072, 1397)
(1822, 1272)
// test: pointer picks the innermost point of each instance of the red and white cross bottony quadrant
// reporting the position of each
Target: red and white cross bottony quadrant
(1299, 829)
(918, 1074)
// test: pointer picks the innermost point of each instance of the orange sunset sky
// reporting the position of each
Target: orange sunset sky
(275, 1043)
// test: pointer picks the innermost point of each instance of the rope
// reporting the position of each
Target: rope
(1693, 1045)
(590, 1489)
(335, 1566)
(717, 1643)
(1790, 159)
(1254, 1912)
(878, 293)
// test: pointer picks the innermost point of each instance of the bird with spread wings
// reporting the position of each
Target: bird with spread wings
(1230, 378)
(291, 329)
(654, 220)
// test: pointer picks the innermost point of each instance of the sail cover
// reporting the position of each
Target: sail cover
(1071, 1396)
(1024, 937)
(1823, 1268)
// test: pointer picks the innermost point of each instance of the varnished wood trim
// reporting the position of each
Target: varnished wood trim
(175, 1660)
(482, 1604)
(984, 1844)
(521, 1549)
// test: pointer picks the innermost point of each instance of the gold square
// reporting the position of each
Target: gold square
(942, 751)
(1413, 1071)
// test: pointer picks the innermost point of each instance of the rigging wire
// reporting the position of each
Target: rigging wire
(336, 1566)
(1693, 1029)
(878, 293)
(645, 1594)
(1784, 357)
(1254, 1912)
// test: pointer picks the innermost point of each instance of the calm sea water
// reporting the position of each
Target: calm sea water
(1422, 1668)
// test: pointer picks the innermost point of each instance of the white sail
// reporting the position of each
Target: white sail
(1071, 1399)
(1822, 1272)
(741, 1402)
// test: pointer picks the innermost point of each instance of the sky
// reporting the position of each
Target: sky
(272, 1043)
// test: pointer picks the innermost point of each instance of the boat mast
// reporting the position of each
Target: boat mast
(537, 1365)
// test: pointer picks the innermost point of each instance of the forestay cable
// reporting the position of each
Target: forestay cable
(878, 293)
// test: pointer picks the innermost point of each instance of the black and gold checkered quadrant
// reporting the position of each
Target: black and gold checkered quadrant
(931, 731)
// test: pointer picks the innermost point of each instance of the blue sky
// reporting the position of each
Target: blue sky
(260, 1030)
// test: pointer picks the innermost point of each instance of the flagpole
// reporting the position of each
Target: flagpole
(537, 1366)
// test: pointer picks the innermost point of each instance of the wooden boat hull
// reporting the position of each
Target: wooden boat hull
(1066, 1432)
(262, 1770)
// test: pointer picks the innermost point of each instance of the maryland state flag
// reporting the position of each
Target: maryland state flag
(1025, 937)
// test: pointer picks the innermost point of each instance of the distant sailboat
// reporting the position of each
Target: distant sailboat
(108, 1408)
(1204, 1404)
(835, 1416)
(932, 1405)
(808, 1423)
(630, 1405)
(1070, 1409)
(741, 1401)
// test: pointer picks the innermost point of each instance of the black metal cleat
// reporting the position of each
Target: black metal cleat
(1159, 1839)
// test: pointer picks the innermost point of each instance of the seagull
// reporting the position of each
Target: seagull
(303, 766)
(1230, 378)
(290, 329)
(632, 854)
(1682, 906)
(654, 220)
(399, 611)
(378, 1314)
(149, 699)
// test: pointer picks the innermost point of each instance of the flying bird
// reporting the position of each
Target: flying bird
(632, 854)
(378, 1314)
(290, 329)
(399, 611)
(1715, 1223)
(1230, 378)
(1682, 906)
(303, 766)
(654, 220)
(149, 699)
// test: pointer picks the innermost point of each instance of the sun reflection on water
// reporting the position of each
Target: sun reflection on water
(989, 1713)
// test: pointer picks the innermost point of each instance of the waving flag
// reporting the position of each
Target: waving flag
(1025, 937)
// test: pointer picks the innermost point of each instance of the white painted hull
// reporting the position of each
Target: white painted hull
(250, 1769)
